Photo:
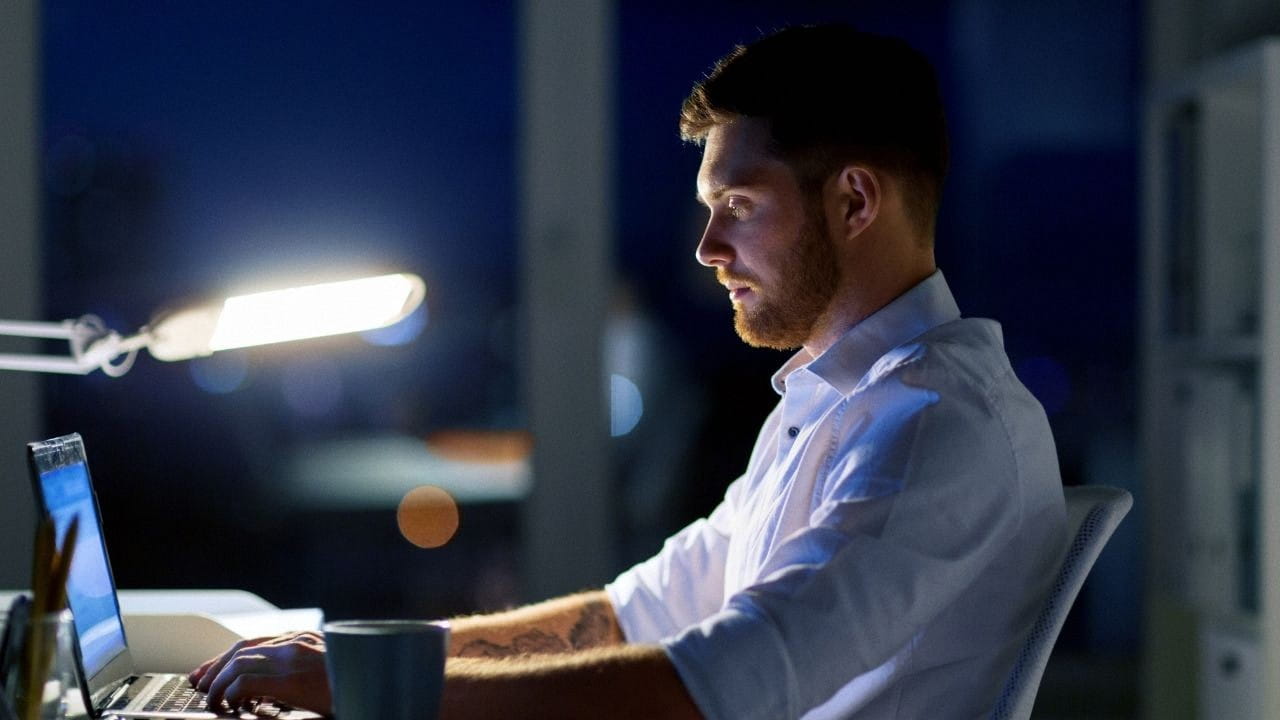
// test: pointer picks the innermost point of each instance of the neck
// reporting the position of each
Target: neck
(860, 294)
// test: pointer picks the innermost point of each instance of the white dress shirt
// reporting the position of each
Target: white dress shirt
(883, 556)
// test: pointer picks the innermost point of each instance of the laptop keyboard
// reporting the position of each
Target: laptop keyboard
(176, 695)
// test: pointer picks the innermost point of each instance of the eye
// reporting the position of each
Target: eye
(738, 207)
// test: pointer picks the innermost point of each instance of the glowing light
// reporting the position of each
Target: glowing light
(220, 374)
(625, 405)
(400, 333)
(283, 315)
(427, 517)
(312, 311)
(481, 446)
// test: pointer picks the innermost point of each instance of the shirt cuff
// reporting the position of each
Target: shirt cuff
(619, 591)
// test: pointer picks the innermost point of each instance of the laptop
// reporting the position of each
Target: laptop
(104, 668)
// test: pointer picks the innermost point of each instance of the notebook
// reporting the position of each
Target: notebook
(104, 668)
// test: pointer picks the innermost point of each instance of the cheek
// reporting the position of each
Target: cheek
(776, 244)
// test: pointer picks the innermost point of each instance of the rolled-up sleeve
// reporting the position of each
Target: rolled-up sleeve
(876, 565)
(679, 586)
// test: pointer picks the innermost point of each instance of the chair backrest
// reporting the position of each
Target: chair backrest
(1093, 512)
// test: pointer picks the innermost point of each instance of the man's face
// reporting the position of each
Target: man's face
(769, 244)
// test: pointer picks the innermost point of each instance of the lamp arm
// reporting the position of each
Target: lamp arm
(259, 318)
(58, 330)
(93, 346)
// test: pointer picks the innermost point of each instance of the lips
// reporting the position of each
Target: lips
(739, 287)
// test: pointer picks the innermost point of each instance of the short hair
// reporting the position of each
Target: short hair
(832, 95)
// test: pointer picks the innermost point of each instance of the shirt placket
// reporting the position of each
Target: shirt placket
(798, 412)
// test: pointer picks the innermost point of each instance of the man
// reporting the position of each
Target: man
(901, 515)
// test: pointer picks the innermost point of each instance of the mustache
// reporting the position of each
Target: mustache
(724, 276)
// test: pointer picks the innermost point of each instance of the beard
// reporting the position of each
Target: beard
(785, 317)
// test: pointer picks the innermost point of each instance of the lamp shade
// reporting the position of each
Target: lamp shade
(282, 315)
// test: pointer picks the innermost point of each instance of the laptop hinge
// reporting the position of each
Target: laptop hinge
(108, 693)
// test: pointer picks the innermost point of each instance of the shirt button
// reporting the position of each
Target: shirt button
(793, 431)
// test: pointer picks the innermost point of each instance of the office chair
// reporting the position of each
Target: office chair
(1093, 513)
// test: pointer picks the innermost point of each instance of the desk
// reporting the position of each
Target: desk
(207, 621)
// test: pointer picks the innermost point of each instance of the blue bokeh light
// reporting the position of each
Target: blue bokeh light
(220, 373)
(625, 405)
(401, 333)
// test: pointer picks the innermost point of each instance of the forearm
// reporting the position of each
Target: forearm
(632, 681)
(576, 622)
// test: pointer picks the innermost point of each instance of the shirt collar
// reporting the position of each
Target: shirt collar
(918, 310)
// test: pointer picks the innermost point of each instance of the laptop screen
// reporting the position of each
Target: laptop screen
(67, 493)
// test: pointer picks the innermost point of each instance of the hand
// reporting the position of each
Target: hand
(288, 668)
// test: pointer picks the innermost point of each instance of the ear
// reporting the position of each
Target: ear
(854, 199)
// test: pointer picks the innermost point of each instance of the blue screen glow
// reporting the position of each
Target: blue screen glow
(90, 592)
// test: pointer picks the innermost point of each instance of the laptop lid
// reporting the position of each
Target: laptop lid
(63, 489)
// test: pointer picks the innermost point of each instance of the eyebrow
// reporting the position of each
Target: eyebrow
(736, 173)
(716, 193)
(749, 182)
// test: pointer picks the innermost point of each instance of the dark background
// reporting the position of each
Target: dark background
(191, 148)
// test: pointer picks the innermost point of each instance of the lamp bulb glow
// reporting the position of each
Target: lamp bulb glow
(283, 315)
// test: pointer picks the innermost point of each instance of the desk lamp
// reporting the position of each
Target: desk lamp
(241, 321)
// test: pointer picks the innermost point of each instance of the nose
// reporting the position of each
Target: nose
(712, 250)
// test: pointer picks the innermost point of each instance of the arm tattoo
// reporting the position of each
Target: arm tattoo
(484, 649)
(536, 641)
(531, 643)
(593, 627)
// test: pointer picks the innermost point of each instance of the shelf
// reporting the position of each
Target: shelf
(1211, 389)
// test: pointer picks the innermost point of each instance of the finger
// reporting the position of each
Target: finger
(256, 685)
(311, 637)
(217, 661)
(304, 636)
(205, 667)
(300, 677)
(203, 676)
(307, 681)
(209, 668)
(243, 663)
(194, 676)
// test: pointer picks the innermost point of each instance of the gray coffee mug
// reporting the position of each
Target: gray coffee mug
(386, 669)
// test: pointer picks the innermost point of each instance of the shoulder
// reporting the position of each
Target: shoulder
(956, 371)
(962, 353)
(946, 403)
